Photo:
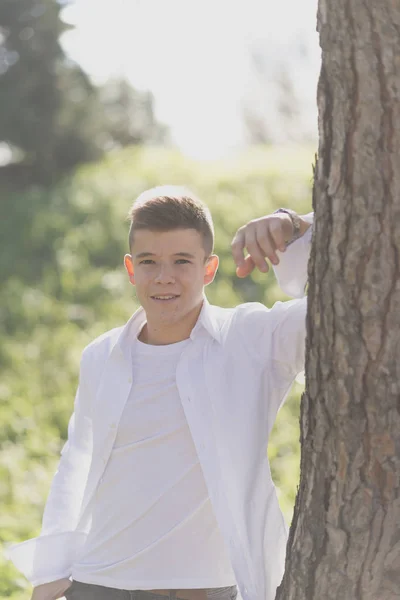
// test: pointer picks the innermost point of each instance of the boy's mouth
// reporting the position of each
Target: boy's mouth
(164, 297)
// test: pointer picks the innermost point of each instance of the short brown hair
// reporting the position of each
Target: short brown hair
(165, 208)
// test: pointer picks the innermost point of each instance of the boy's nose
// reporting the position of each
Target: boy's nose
(165, 275)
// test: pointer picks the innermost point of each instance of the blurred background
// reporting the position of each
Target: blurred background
(99, 100)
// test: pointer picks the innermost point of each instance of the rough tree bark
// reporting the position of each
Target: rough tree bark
(344, 543)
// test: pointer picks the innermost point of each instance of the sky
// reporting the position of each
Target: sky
(194, 56)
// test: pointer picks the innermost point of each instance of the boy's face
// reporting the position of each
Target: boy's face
(169, 271)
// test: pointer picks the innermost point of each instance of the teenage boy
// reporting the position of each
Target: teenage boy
(163, 489)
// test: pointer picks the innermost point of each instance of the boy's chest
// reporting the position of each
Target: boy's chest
(153, 411)
(216, 391)
(217, 403)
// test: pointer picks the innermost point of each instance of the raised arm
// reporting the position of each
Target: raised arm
(292, 269)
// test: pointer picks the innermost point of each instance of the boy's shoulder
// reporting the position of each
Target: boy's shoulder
(104, 342)
(240, 311)
(252, 318)
(242, 316)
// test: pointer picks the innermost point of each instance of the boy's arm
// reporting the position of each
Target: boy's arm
(49, 556)
(271, 237)
(63, 504)
(292, 270)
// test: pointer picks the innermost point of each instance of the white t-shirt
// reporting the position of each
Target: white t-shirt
(152, 523)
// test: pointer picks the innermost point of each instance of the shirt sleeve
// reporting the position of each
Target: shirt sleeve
(275, 339)
(276, 334)
(49, 556)
(63, 504)
(291, 272)
(289, 336)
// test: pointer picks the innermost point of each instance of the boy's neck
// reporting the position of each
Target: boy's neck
(156, 334)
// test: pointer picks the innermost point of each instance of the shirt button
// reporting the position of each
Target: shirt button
(130, 380)
(112, 426)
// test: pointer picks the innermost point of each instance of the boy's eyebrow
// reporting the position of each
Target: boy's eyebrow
(143, 254)
(184, 254)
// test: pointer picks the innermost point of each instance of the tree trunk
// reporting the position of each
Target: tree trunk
(344, 543)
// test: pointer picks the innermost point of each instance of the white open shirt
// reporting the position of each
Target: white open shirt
(232, 379)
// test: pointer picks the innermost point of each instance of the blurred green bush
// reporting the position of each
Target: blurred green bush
(63, 283)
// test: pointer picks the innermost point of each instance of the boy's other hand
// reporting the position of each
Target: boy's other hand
(52, 590)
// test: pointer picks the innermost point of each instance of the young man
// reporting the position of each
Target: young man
(163, 488)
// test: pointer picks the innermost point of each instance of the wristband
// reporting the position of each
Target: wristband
(294, 217)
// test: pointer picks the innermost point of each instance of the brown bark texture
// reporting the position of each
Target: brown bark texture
(344, 543)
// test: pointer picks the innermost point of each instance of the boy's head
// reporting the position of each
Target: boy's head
(167, 208)
(171, 240)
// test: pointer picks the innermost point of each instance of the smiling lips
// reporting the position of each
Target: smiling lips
(165, 297)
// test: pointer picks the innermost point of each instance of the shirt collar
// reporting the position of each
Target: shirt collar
(206, 322)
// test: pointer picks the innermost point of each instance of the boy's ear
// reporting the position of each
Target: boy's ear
(210, 268)
(129, 268)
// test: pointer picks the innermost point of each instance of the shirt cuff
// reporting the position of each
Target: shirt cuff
(48, 557)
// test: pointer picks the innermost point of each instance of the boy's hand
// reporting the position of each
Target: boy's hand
(261, 238)
(52, 590)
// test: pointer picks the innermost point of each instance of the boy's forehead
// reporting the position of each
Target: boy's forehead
(171, 241)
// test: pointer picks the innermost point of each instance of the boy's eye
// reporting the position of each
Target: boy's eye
(148, 261)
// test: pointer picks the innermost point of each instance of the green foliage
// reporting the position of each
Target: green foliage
(51, 114)
(63, 283)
